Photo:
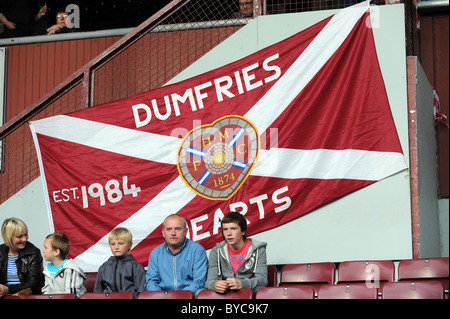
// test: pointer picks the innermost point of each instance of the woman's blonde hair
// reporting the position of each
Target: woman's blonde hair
(12, 227)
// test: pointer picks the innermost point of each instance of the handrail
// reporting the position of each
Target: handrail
(120, 32)
(65, 37)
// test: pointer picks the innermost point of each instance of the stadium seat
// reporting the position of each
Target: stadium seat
(108, 295)
(90, 281)
(299, 292)
(425, 269)
(179, 294)
(371, 273)
(272, 276)
(347, 291)
(365, 271)
(244, 293)
(11, 297)
(52, 296)
(315, 275)
(426, 289)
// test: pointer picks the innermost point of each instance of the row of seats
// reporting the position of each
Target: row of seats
(426, 289)
(349, 276)
(393, 290)
(410, 279)
(372, 274)
(348, 272)
(362, 271)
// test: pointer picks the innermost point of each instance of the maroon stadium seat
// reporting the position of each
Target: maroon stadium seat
(371, 272)
(299, 292)
(347, 291)
(425, 269)
(52, 296)
(413, 290)
(179, 294)
(108, 295)
(244, 293)
(314, 274)
(272, 276)
(364, 271)
(90, 281)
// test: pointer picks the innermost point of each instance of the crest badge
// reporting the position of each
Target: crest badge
(214, 160)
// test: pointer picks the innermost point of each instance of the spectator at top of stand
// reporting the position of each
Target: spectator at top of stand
(61, 23)
(21, 18)
(245, 9)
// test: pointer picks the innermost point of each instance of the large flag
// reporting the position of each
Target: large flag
(273, 136)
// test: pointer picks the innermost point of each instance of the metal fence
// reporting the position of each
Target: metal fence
(145, 59)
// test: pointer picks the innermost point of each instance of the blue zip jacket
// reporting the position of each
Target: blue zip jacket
(184, 271)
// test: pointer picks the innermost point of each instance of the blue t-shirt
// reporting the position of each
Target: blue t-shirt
(52, 270)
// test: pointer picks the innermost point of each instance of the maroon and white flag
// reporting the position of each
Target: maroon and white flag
(274, 136)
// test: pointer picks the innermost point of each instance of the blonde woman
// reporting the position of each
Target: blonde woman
(21, 268)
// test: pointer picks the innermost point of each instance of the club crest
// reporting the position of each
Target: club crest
(214, 160)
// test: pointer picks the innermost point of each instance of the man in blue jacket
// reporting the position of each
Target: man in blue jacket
(179, 263)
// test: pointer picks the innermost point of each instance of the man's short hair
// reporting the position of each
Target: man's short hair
(176, 215)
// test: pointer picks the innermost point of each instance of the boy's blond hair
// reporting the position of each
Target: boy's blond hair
(61, 242)
(12, 227)
(121, 233)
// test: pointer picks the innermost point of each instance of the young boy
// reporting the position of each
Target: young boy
(120, 272)
(62, 275)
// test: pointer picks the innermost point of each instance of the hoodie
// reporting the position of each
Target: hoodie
(120, 274)
(252, 273)
(69, 279)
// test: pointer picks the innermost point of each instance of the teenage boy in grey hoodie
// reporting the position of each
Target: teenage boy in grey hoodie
(237, 262)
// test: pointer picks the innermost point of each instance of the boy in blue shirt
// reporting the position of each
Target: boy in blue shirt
(62, 275)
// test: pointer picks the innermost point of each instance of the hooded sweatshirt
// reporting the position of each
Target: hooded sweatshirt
(120, 274)
(69, 279)
(252, 272)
